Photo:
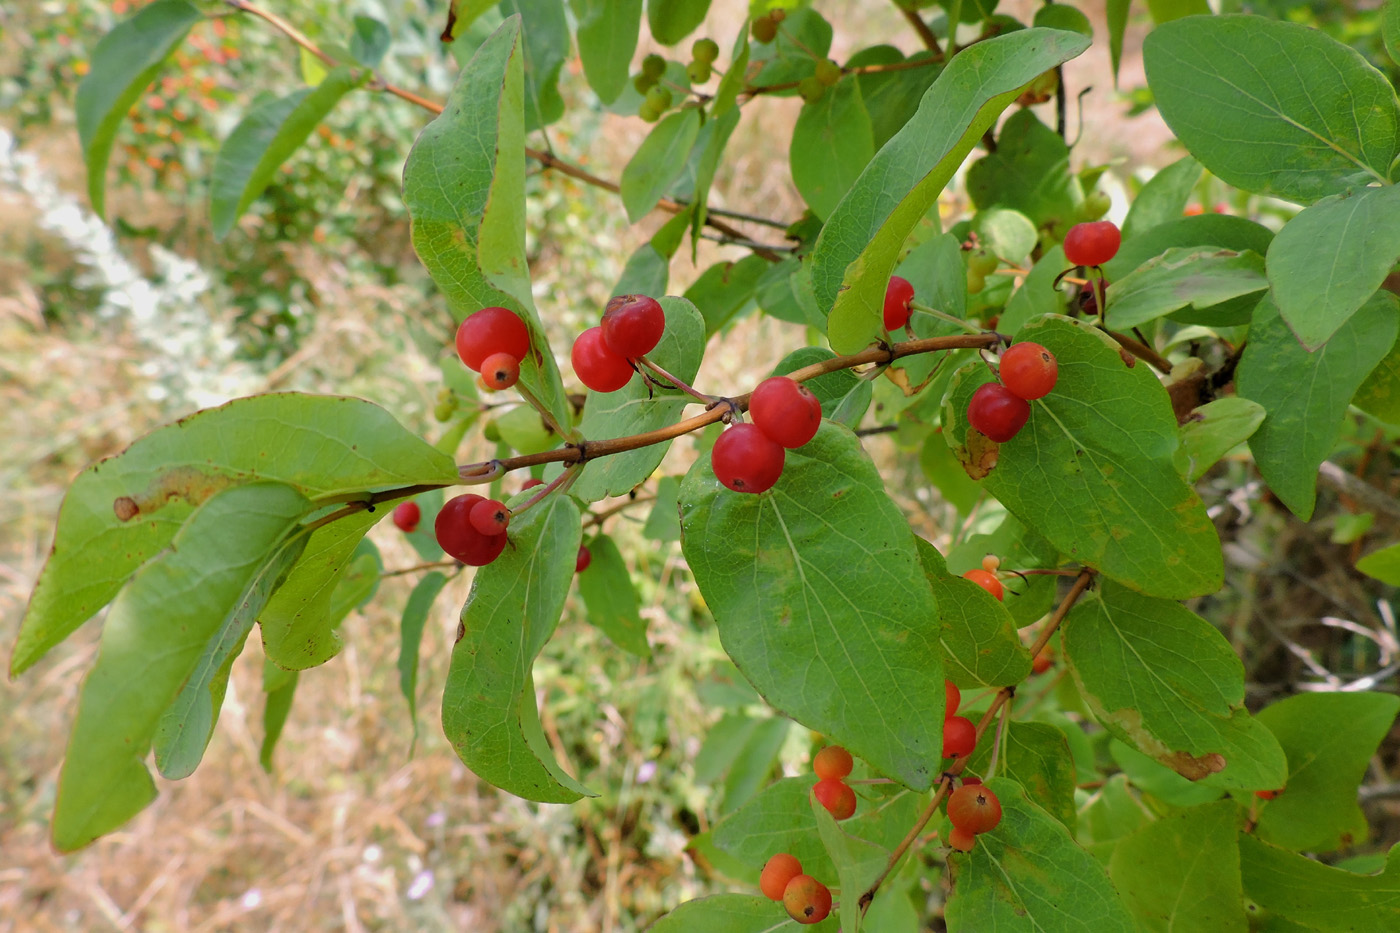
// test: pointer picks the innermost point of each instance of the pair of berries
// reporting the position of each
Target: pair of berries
(492, 342)
(805, 898)
(959, 734)
(972, 809)
(632, 327)
(765, 28)
(702, 60)
(833, 765)
(986, 576)
(1000, 410)
(472, 529)
(784, 415)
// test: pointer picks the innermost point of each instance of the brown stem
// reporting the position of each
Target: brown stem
(434, 565)
(1142, 351)
(926, 35)
(597, 518)
(677, 383)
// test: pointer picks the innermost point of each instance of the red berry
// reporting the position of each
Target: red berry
(836, 795)
(781, 869)
(975, 808)
(959, 736)
(1092, 244)
(745, 460)
(952, 697)
(1042, 662)
(1089, 298)
(987, 581)
(489, 331)
(1268, 794)
(971, 778)
(407, 515)
(597, 366)
(962, 839)
(785, 411)
(490, 517)
(531, 483)
(832, 763)
(585, 557)
(633, 325)
(996, 412)
(500, 371)
(807, 900)
(897, 297)
(458, 536)
(1029, 371)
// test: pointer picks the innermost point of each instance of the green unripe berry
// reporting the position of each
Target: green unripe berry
(982, 262)
(976, 281)
(828, 72)
(491, 432)
(764, 30)
(643, 83)
(445, 410)
(705, 50)
(654, 66)
(1096, 205)
(698, 72)
(659, 99)
(648, 113)
(811, 89)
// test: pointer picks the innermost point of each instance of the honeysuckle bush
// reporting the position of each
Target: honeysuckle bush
(1223, 353)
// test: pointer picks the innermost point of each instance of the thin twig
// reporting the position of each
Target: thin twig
(432, 566)
(926, 35)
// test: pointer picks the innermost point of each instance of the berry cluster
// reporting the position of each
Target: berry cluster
(972, 809)
(959, 734)
(749, 457)
(632, 327)
(492, 342)
(765, 28)
(1000, 410)
(805, 898)
(986, 577)
(702, 60)
(647, 81)
(833, 765)
(472, 529)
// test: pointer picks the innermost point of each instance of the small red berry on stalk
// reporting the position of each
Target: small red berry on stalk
(975, 808)
(1029, 371)
(585, 557)
(460, 539)
(489, 331)
(952, 697)
(500, 371)
(996, 412)
(531, 483)
(807, 900)
(785, 411)
(898, 294)
(1268, 794)
(407, 515)
(959, 736)
(961, 839)
(1092, 244)
(1042, 662)
(633, 325)
(490, 517)
(833, 763)
(836, 795)
(745, 460)
(987, 581)
(781, 869)
(597, 366)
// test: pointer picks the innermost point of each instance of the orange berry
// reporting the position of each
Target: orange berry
(774, 879)
(832, 763)
(807, 900)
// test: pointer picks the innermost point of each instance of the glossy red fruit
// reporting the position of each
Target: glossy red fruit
(459, 538)
(785, 411)
(531, 483)
(585, 557)
(996, 412)
(490, 517)
(836, 795)
(500, 371)
(975, 808)
(1092, 244)
(959, 736)
(952, 697)
(987, 581)
(898, 294)
(597, 366)
(407, 515)
(1268, 794)
(491, 330)
(971, 779)
(633, 325)
(745, 460)
(807, 900)
(961, 839)
(1029, 371)
(833, 763)
(781, 869)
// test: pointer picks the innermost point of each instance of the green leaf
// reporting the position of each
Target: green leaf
(1093, 471)
(858, 861)
(659, 161)
(831, 145)
(860, 244)
(1183, 871)
(488, 707)
(1063, 16)
(756, 761)
(1165, 681)
(629, 410)
(1273, 107)
(892, 97)
(1165, 10)
(1390, 30)
(1379, 395)
(415, 616)
(611, 599)
(223, 563)
(1327, 261)
(124, 64)
(1179, 278)
(774, 569)
(1028, 874)
(663, 522)
(1383, 565)
(1158, 781)
(277, 706)
(322, 446)
(1329, 739)
(980, 644)
(1037, 294)
(268, 134)
(671, 21)
(1029, 172)
(709, 147)
(1110, 813)
(607, 38)
(1214, 430)
(1222, 231)
(725, 289)
(727, 913)
(1117, 21)
(1163, 198)
(464, 186)
(1319, 896)
(804, 39)
(546, 33)
(1306, 394)
(370, 41)
(1036, 756)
